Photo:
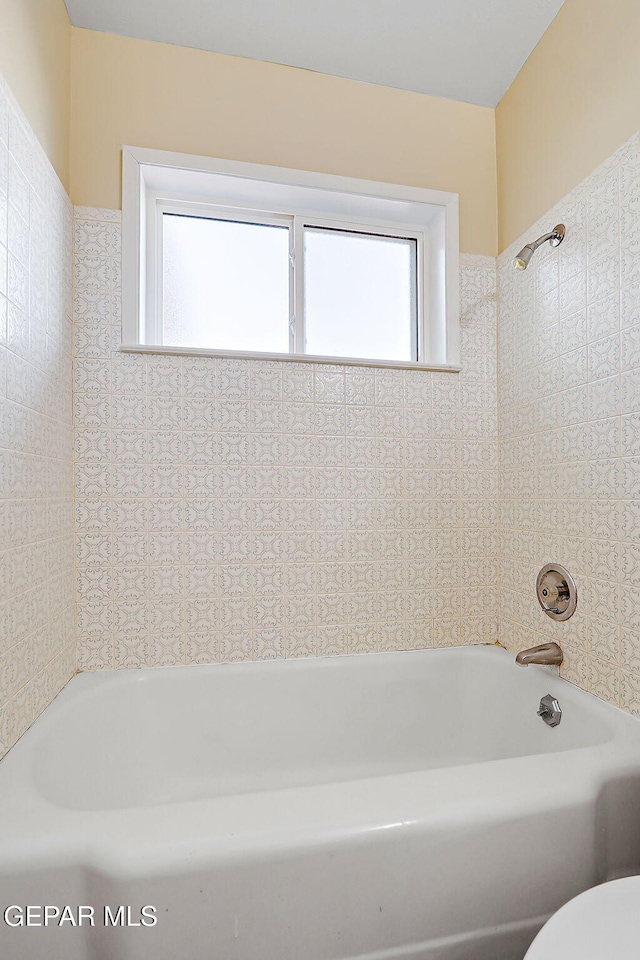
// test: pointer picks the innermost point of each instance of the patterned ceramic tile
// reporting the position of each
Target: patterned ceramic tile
(37, 628)
(569, 395)
(228, 510)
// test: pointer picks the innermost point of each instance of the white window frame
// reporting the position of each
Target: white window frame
(158, 182)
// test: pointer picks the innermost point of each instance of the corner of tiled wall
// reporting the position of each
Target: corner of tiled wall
(37, 609)
(231, 509)
(569, 420)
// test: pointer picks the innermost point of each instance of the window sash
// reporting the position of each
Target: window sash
(296, 224)
(415, 286)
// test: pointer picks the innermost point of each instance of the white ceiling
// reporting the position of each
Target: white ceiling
(467, 50)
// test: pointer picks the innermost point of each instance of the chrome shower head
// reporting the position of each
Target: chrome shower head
(521, 260)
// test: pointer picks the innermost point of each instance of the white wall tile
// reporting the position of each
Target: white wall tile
(569, 439)
(260, 509)
(37, 610)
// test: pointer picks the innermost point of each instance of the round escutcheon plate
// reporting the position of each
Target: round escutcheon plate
(556, 591)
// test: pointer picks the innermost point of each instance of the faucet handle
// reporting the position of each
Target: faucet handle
(556, 591)
(552, 592)
(550, 710)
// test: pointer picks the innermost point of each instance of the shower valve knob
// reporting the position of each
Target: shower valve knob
(556, 591)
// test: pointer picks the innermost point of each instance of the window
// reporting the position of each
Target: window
(360, 294)
(229, 285)
(234, 259)
(225, 284)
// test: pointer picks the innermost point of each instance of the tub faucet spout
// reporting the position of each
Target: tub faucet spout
(548, 654)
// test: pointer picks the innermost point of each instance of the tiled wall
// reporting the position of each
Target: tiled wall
(239, 509)
(37, 629)
(243, 509)
(569, 418)
(234, 509)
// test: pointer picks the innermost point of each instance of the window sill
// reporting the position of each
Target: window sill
(162, 350)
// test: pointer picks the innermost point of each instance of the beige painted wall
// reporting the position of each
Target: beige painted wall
(575, 101)
(174, 98)
(35, 58)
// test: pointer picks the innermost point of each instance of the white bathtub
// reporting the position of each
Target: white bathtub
(406, 805)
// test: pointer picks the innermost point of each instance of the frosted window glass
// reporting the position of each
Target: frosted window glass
(225, 284)
(359, 295)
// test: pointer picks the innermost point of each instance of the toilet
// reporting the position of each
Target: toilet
(601, 924)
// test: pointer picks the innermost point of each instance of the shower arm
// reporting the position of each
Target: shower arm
(553, 235)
